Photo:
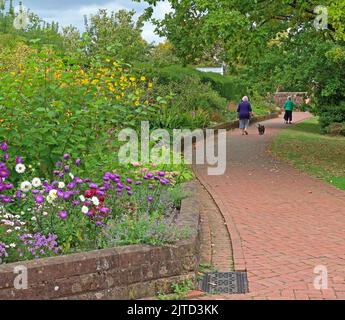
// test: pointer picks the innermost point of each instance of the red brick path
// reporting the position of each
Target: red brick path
(282, 223)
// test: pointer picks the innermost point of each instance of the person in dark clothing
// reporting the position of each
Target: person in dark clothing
(244, 112)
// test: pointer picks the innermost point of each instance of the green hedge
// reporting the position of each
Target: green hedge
(228, 87)
(331, 114)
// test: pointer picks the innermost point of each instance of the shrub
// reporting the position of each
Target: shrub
(337, 129)
(190, 104)
(330, 114)
(228, 87)
(50, 107)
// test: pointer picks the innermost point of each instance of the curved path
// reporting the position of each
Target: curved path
(283, 223)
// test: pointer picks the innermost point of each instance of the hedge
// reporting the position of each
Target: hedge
(227, 86)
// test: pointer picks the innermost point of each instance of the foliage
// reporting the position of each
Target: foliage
(64, 108)
(329, 115)
(191, 104)
(115, 35)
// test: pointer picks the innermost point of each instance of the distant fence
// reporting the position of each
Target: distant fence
(298, 97)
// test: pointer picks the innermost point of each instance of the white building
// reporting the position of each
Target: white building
(219, 70)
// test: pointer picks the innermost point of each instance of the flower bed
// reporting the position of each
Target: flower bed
(128, 272)
(68, 214)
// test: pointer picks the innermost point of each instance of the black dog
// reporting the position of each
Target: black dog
(261, 129)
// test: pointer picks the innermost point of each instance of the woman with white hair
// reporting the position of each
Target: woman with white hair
(245, 112)
(288, 107)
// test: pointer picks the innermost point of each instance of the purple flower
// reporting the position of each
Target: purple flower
(3, 146)
(66, 168)
(120, 185)
(39, 199)
(149, 198)
(63, 215)
(56, 172)
(66, 156)
(71, 185)
(18, 194)
(78, 162)
(58, 164)
(76, 203)
(6, 156)
(93, 186)
(60, 193)
(78, 180)
(4, 173)
(161, 174)
(138, 183)
(3, 252)
(6, 199)
(130, 193)
(19, 160)
(128, 188)
(129, 181)
(104, 210)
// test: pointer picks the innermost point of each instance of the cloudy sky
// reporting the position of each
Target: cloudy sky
(68, 12)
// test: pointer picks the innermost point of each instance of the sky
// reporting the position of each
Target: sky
(71, 12)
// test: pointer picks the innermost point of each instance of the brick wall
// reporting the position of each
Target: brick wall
(129, 272)
(297, 97)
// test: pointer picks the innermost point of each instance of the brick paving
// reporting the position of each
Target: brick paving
(282, 223)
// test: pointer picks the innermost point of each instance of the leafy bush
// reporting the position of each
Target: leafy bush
(230, 88)
(337, 129)
(330, 114)
(190, 104)
(50, 107)
(143, 229)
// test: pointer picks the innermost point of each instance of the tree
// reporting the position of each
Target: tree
(116, 35)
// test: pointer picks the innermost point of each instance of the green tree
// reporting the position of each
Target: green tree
(116, 35)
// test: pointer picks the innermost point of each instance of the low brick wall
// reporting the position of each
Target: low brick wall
(129, 272)
(235, 124)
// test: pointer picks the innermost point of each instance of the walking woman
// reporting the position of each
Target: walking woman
(289, 106)
(245, 112)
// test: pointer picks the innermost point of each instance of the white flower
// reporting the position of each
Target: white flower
(61, 185)
(85, 209)
(45, 214)
(9, 231)
(82, 198)
(25, 186)
(36, 182)
(33, 219)
(95, 201)
(50, 199)
(17, 228)
(12, 245)
(71, 175)
(53, 194)
(20, 168)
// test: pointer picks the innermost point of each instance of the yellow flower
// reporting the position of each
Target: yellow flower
(150, 85)
(132, 79)
(84, 81)
(143, 78)
(95, 81)
(137, 103)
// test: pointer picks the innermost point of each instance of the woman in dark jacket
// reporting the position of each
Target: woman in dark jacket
(245, 112)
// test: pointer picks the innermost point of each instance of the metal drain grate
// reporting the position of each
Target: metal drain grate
(225, 282)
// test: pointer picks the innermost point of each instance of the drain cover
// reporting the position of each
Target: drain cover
(225, 282)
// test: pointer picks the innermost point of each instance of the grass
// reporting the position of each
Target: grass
(308, 150)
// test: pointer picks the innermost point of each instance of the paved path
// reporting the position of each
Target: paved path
(282, 223)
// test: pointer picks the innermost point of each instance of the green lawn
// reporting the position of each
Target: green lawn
(307, 149)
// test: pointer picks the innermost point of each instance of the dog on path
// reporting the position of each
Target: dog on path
(261, 129)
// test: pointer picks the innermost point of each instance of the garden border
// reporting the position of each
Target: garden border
(129, 272)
